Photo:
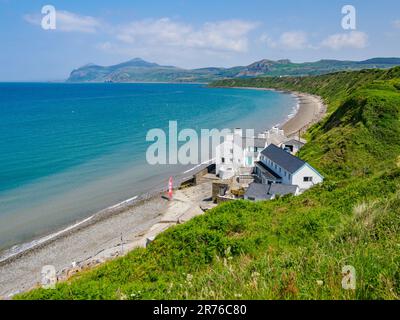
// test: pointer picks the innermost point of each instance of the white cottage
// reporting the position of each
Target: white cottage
(279, 166)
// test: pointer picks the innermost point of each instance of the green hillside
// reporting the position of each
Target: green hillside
(292, 247)
(138, 70)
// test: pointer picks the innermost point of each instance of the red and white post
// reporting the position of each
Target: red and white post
(170, 188)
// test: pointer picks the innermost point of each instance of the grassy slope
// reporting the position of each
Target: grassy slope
(280, 249)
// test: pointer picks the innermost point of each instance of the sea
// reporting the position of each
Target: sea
(68, 151)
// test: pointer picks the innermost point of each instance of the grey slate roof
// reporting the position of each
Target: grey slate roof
(294, 142)
(282, 189)
(283, 158)
(260, 191)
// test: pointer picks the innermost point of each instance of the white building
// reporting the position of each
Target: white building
(279, 166)
(238, 152)
(273, 136)
(293, 146)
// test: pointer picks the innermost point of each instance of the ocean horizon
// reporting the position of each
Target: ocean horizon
(71, 150)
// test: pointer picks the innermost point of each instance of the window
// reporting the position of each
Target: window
(251, 199)
(307, 179)
(290, 176)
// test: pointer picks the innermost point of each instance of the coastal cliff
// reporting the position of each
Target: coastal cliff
(292, 247)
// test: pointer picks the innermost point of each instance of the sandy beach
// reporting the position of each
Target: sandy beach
(311, 110)
(119, 229)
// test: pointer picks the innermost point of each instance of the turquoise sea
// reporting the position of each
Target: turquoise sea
(70, 150)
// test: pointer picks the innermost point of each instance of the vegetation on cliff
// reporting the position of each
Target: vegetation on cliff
(292, 247)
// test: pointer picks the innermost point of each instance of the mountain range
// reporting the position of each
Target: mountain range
(139, 70)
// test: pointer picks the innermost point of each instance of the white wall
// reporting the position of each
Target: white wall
(288, 178)
(234, 153)
(298, 177)
(223, 151)
(306, 171)
(281, 172)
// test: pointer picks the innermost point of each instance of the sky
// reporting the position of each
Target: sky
(189, 33)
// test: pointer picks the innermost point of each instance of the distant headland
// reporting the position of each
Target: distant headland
(139, 70)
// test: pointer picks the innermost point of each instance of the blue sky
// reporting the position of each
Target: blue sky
(189, 33)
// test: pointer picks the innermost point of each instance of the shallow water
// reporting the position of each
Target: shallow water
(69, 150)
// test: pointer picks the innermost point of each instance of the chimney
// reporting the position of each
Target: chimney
(238, 131)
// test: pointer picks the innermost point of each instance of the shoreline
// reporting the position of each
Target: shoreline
(97, 239)
(16, 251)
(128, 224)
(310, 110)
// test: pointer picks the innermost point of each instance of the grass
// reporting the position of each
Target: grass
(292, 247)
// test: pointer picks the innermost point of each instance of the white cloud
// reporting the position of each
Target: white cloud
(270, 42)
(396, 24)
(172, 42)
(69, 22)
(353, 39)
(105, 46)
(294, 40)
(230, 35)
(32, 19)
